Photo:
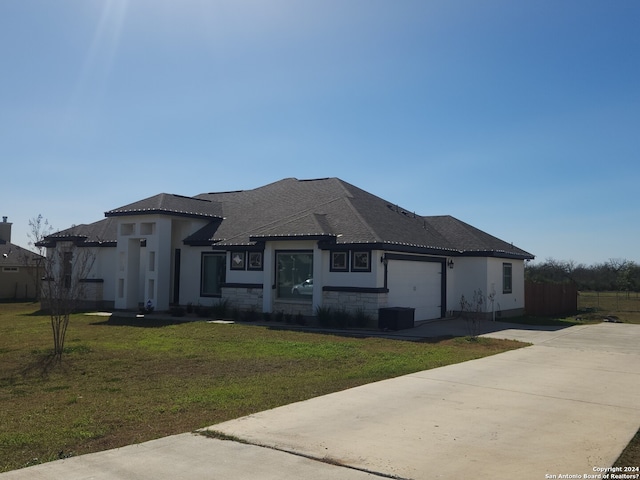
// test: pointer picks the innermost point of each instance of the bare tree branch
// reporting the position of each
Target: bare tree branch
(65, 268)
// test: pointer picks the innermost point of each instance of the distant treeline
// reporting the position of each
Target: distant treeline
(616, 274)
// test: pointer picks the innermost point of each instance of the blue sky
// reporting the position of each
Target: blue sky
(521, 118)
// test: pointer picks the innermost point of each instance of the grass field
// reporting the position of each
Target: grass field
(596, 305)
(119, 384)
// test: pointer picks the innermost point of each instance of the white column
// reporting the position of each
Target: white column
(318, 263)
(161, 241)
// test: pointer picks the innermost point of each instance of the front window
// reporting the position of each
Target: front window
(361, 261)
(67, 267)
(294, 274)
(339, 261)
(213, 274)
(507, 278)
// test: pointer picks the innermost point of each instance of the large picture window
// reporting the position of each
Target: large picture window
(507, 278)
(213, 274)
(294, 274)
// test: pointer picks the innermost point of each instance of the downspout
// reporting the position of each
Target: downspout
(493, 301)
(385, 262)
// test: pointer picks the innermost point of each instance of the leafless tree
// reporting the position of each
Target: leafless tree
(39, 228)
(473, 311)
(64, 268)
(616, 274)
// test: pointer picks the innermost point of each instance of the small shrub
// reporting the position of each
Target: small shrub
(251, 315)
(300, 320)
(221, 309)
(177, 311)
(279, 317)
(288, 318)
(266, 316)
(203, 311)
(361, 319)
(342, 318)
(325, 316)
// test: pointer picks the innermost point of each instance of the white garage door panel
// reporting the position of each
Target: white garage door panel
(416, 285)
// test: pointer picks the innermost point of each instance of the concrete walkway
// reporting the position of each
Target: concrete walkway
(566, 405)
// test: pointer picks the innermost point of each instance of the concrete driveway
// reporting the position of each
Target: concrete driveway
(567, 405)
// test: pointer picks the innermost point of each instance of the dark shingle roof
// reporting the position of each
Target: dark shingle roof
(166, 203)
(12, 255)
(470, 240)
(328, 209)
(289, 207)
(102, 233)
(335, 209)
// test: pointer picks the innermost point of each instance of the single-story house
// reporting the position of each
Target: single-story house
(19, 268)
(293, 246)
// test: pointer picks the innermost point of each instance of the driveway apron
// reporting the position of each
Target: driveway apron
(568, 405)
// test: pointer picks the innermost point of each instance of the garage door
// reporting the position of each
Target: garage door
(417, 285)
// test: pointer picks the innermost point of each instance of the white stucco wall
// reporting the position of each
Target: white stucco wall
(467, 275)
(506, 301)
(485, 273)
(245, 276)
(104, 268)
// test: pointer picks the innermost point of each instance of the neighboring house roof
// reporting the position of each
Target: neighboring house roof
(327, 209)
(12, 255)
(166, 203)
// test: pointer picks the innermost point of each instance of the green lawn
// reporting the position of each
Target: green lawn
(121, 384)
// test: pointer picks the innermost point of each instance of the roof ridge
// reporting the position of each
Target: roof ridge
(188, 197)
(169, 204)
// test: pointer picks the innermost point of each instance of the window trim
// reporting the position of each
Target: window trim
(241, 264)
(507, 277)
(67, 268)
(254, 261)
(332, 265)
(356, 268)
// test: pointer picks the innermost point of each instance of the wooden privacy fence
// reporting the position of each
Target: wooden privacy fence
(550, 298)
